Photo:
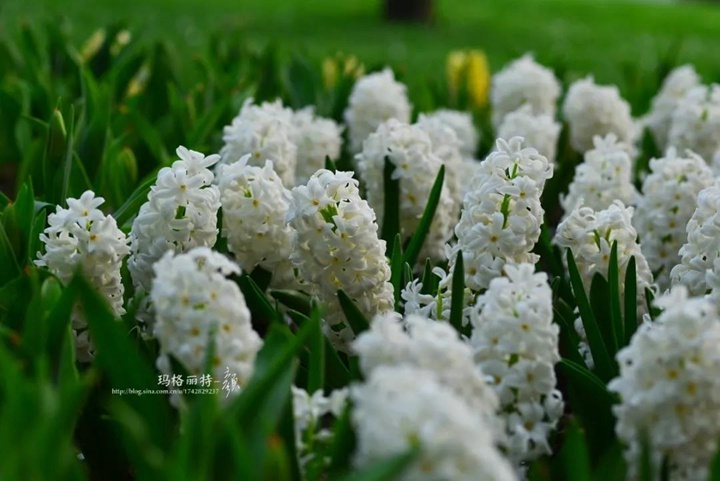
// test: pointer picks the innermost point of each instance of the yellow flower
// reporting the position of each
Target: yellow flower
(468, 73)
(93, 45)
(331, 68)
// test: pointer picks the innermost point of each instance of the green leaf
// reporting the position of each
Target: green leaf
(293, 299)
(68, 160)
(358, 322)
(429, 280)
(112, 344)
(604, 364)
(418, 238)
(330, 164)
(631, 322)
(457, 301)
(132, 205)
(599, 296)
(316, 347)
(575, 455)
(715, 466)
(396, 269)
(616, 319)
(388, 469)
(391, 207)
(263, 312)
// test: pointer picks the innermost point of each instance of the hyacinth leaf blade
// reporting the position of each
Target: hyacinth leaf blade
(345, 441)
(259, 407)
(396, 269)
(389, 469)
(316, 350)
(112, 344)
(293, 299)
(358, 321)
(606, 368)
(715, 466)
(330, 164)
(262, 310)
(418, 238)
(631, 322)
(616, 319)
(592, 404)
(574, 454)
(55, 148)
(133, 203)
(337, 373)
(429, 280)
(599, 296)
(391, 207)
(457, 300)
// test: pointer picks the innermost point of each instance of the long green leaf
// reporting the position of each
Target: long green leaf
(391, 207)
(616, 319)
(132, 205)
(457, 301)
(631, 322)
(396, 269)
(418, 238)
(358, 322)
(603, 362)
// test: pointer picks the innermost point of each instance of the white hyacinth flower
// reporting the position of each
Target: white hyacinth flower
(316, 139)
(701, 250)
(592, 109)
(446, 145)
(430, 345)
(604, 176)
(401, 407)
(695, 123)
(523, 81)
(264, 131)
(375, 98)
(410, 150)
(309, 411)
(180, 213)
(669, 388)
(668, 201)
(540, 131)
(516, 346)
(336, 246)
(255, 206)
(672, 91)
(82, 238)
(501, 216)
(195, 304)
(590, 234)
(462, 124)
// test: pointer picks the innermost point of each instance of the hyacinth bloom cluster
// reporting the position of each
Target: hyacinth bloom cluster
(592, 110)
(375, 98)
(701, 250)
(336, 246)
(410, 150)
(316, 138)
(180, 213)
(671, 93)
(82, 238)
(429, 345)
(695, 123)
(669, 195)
(255, 206)
(309, 411)
(462, 124)
(196, 304)
(521, 82)
(501, 215)
(669, 388)
(265, 131)
(604, 176)
(516, 346)
(446, 145)
(401, 407)
(590, 234)
(540, 131)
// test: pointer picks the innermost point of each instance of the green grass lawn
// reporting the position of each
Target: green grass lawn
(611, 39)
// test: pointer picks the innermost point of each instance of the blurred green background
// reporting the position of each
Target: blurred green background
(610, 39)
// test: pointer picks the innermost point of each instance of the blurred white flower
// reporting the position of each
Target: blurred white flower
(316, 138)
(596, 110)
(462, 124)
(196, 304)
(695, 123)
(540, 131)
(672, 91)
(375, 98)
(669, 388)
(523, 81)
(402, 407)
(264, 131)
(668, 201)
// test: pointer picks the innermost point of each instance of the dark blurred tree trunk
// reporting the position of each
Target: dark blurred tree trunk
(409, 10)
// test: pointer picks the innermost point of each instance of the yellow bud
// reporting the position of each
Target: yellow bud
(329, 72)
(478, 78)
(92, 45)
